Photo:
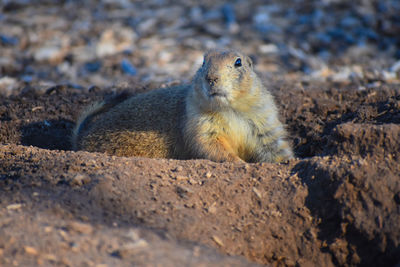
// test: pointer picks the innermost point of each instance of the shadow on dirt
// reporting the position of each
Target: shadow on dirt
(345, 239)
(320, 201)
(48, 134)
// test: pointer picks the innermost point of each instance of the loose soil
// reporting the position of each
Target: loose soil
(337, 203)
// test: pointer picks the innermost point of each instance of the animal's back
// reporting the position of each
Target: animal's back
(145, 125)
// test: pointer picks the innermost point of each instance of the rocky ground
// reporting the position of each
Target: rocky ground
(333, 67)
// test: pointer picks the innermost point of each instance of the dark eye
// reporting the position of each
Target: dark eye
(238, 62)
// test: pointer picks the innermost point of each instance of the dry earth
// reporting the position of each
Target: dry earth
(338, 203)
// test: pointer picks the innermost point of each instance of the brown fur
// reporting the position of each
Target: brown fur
(225, 114)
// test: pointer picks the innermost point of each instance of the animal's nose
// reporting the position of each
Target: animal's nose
(211, 79)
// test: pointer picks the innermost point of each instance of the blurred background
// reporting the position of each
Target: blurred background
(117, 42)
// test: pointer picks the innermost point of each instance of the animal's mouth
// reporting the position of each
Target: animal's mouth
(217, 94)
(214, 92)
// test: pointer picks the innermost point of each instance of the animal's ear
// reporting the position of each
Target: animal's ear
(249, 61)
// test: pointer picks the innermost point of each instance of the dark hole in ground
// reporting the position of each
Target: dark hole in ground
(49, 134)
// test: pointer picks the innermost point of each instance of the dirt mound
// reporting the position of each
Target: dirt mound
(337, 204)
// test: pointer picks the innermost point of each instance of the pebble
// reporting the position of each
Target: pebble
(133, 234)
(184, 191)
(395, 67)
(147, 26)
(131, 249)
(8, 85)
(50, 257)
(79, 227)
(31, 250)
(208, 175)
(212, 208)
(181, 178)
(257, 193)
(93, 66)
(79, 180)
(113, 41)
(268, 49)
(388, 76)
(8, 40)
(342, 75)
(15, 206)
(178, 168)
(128, 68)
(218, 241)
(49, 53)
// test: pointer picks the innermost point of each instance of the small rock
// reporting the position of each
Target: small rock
(184, 191)
(178, 169)
(193, 181)
(27, 78)
(64, 235)
(7, 85)
(79, 180)
(50, 257)
(213, 208)
(395, 67)
(31, 250)
(46, 123)
(257, 193)
(196, 14)
(113, 41)
(388, 76)
(93, 66)
(128, 68)
(181, 178)
(343, 75)
(15, 206)
(147, 26)
(261, 18)
(130, 249)
(133, 235)
(79, 227)
(208, 175)
(268, 49)
(218, 240)
(49, 53)
(8, 40)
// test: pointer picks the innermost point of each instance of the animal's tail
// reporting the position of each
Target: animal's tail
(91, 112)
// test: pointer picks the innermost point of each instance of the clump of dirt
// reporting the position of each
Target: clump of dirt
(333, 120)
(336, 204)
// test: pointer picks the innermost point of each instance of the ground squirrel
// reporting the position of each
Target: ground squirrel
(224, 114)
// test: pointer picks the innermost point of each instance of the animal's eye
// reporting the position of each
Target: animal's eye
(238, 62)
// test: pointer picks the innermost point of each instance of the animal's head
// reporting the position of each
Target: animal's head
(225, 80)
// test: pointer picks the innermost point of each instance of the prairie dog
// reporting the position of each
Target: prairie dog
(224, 114)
